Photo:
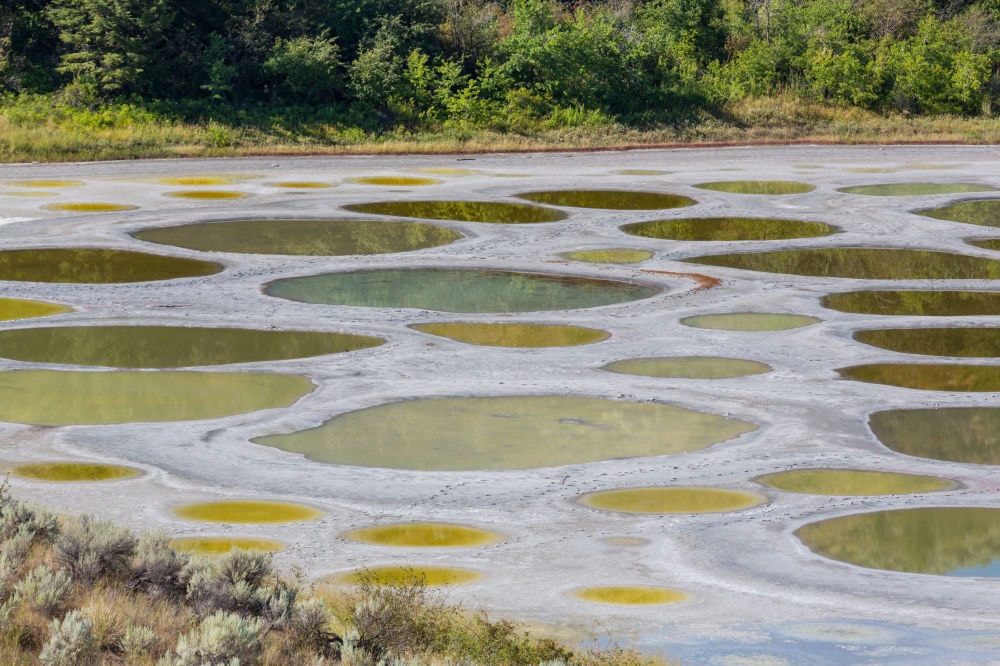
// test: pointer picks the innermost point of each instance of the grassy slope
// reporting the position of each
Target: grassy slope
(39, 135)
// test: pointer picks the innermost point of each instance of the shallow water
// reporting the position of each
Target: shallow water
(749, 321)
(510, 335)
(688, 367)
(170, 346)
(985, 243)
(853, 482)
(672, 500)
(984, 212)
(610, 256)
(198, 181)
(758, 187)
(512, 432)
(928, 376)
(46, 183)
(221, 545)
(302, 237)
(74, 471)
(16, 308)
(407, 575)
(914, 189)
(458, 290)
(494, 212)
(89, 207)
(983, 342)
(95, 266)
(630, 594)
(927, 540)
(867, 263)
(424, 535)
(55, 398)
(302, 185)
(246, 512)
(958, 434)
(206, 194)
(609, 199)
(398, 181)
(913, 302)
(728, 229)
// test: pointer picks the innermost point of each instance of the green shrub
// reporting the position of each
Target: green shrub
(138, 641)
(848, 77)
(12, 555)
(376, 74)
(156, 568)
(222, 638)
(397, 620)
(70, 642)
(43, 590)
(92, 549)
(242, 582)
(18, 517)
(311, 624)
(306, 70)
(935, 71)
(500, 643)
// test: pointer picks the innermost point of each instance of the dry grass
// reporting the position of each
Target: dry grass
(773, 120)
(113, 609)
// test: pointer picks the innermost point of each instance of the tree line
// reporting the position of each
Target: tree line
(492, 64)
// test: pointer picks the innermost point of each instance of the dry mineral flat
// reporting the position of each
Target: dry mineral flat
(755, 592)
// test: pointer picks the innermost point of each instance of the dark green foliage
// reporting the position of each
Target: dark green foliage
(109, 44)
(502, 643)
(397, 619)
(512, 66)
(305, 70)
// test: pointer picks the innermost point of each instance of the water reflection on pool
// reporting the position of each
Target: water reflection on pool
(511, 432)
(967, 341)
(934, 303)
(868, 263)
(956, 541)
(928, 376)
(959, 434)
(170, 346)
(458, 290)
(314, 237)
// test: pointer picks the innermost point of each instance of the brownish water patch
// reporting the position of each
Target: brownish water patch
(97, 266)
(511, 335)
(247, 511)
(89, 207)
(854, 482)
(958, 434)
(674, 499)
(928, 376)
(424, 535)
(74, 471)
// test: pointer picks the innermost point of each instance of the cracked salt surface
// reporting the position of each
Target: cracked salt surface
(757, 594)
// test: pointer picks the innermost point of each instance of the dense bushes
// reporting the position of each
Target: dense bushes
(501, 64)
(83, 592)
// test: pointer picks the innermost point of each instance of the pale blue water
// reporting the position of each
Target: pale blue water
(990, 570)
(831, 643)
